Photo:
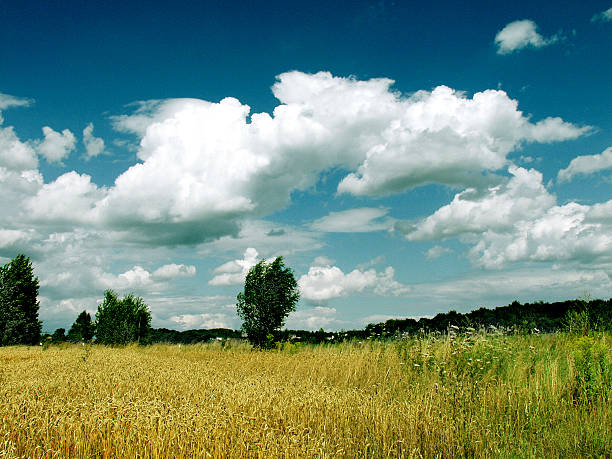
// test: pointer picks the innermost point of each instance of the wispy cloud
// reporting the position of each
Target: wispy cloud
(359, 220)
(586, 164)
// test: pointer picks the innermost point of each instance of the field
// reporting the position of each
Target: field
(484, 395)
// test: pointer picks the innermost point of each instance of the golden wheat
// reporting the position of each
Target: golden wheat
(486, 396)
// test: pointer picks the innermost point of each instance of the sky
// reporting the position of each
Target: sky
(405, 158)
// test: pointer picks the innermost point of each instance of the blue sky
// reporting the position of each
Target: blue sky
(406, 158)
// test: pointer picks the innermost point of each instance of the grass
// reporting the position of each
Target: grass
(476, 396)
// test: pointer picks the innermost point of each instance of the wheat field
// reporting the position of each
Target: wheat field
(477, 396)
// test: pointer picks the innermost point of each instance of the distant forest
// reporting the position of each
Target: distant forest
(539, 317)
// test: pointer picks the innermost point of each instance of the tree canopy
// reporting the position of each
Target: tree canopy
(270, 294)
(19, 305)
(83, 329)
(122, 321)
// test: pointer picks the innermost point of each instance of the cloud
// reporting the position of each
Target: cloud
(135, 278)
(562, 233)
(437, 251)
(13, 239)
(444, 137)
(63, 313)
(8, 101)
(586, 164)
(139, 278)
(554, 130)
(323, 283)
(173, 271)
(604, 16)
(193, 312)
(363, 266)
(14, 154)
(257, 233)
(234, 272)
(521, 34)
(522, 197)
(19, 177)
(56, 146)
(93, 145)
(495, 288)
(359, 220)
(519, 221)
(68, 200)
(199, 321)
(276, 232)
(206, 167)
(313, 318)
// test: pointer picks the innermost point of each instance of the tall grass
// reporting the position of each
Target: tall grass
(484, 396)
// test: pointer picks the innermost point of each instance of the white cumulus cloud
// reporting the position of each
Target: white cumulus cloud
(173, 271)
(206, 167)
(234, 272)
(520, 221)
(323, 283)
(93, 145)
(68, 200)
(56, 146)
(562, 233)
(15, 155)
(586, 164)
(521, 34)
(522, 197)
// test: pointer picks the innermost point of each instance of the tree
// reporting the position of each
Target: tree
(59, 335)
(122, 321)
(19, 305)
(82, 328)
(270, 294)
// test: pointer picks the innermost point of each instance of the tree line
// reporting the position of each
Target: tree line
(117, 320)
(270, 294)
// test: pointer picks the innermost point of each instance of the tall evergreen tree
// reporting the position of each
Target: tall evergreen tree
(19, 322)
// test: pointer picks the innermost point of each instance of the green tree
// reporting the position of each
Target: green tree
(82, 329)
(122, 321)
(59, 335)
(270, 294)
(19, 322)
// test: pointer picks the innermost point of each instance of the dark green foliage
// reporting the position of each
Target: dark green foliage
(19, 322)
(59, 335)
(523, 318)
(546, 317)
(270, 294)
(122, 321)
(83, 329)
(577, 316)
